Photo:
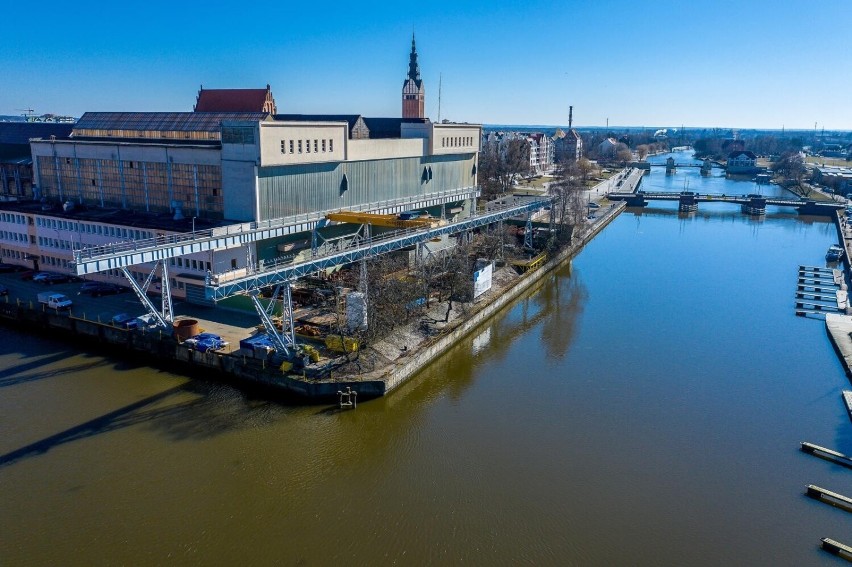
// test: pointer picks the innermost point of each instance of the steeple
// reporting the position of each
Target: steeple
(413, 67)
(413, 91)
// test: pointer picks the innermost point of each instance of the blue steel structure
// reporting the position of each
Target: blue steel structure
(226, 284)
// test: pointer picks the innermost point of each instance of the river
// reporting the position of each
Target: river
(644, 406)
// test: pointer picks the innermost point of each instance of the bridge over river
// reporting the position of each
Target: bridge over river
(752, 204)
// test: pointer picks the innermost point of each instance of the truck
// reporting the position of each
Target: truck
(54, 300)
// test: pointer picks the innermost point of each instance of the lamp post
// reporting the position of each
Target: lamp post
(193, 227)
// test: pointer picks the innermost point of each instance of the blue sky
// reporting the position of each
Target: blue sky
(746, 63)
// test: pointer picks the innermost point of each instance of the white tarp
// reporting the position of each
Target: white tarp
(482, 279)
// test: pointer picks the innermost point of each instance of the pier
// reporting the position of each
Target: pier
(827, 496)
(836, 548)
(826, 454)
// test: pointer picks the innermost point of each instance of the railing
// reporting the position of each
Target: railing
(349, 247)
(171, 240)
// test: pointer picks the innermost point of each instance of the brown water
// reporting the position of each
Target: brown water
(642, 408)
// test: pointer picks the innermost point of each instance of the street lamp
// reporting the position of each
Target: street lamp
(193, 227)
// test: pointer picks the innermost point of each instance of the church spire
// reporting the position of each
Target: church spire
(413, 67)
(413, 92)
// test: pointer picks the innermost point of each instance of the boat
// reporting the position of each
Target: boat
(835, 253)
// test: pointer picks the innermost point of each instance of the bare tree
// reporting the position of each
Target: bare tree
(500, 165)
(568, 210)
(791, 167)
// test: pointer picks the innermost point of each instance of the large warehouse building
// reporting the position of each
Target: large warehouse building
(125, 176)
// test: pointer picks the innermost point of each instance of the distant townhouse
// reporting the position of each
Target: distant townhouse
(742, 162)
(568, 146)
(608, 148)
(541, 147)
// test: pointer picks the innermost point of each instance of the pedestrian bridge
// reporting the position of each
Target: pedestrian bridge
(752, 204)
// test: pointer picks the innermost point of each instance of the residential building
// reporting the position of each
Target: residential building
(741, 161)
(568, 146)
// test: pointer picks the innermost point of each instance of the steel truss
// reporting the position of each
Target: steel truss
(221, 286)
(164, 317)
(285, 340)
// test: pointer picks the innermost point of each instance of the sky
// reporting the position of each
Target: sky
(655, 63)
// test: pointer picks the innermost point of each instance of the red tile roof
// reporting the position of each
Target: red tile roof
(232, 100)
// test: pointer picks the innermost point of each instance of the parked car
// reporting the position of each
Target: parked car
(50, 278)
(27, 275)
(594, 205)
(96, 289)
(203, 342)
(125, 321)
(4, 290)
(6, 268)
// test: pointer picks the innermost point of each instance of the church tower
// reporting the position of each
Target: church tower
(413, 92)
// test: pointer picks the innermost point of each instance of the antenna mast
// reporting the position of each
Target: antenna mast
(440, 80)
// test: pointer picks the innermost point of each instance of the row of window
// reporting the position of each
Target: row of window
(456, 141)
(13, 236)
(149, 186)
(13, 218)
(88, 228)
(296, 146)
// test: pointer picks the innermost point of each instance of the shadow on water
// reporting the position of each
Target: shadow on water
(214, 410)
(10, 377)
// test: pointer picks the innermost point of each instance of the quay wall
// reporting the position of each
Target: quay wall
(399, 373)
(163, 350)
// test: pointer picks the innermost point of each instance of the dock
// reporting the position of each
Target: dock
(820, 290)
(836, 548)
(832, 498)
(826, 454)
(847, 400)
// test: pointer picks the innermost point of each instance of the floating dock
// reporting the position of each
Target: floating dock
(829, 497)
(820, 291)
(847, 400)
(836, 548)
(827, 454)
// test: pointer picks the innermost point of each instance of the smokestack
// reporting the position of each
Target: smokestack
(570, 117)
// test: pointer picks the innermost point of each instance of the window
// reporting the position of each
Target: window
(291, 146)
(68, 161)
(323, 145)
(331, 145)
(307, 146)
(315, 147)
(283, 146)
(300, 146)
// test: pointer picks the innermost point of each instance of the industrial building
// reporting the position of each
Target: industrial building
(122, 177)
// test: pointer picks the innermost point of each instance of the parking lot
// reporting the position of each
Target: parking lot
(232, 326)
